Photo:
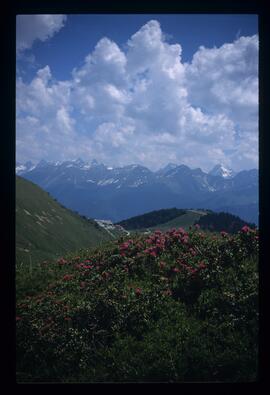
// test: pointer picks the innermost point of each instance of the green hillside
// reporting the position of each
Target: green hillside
(163, 219)
(46, 230)
(151, 219)
(184, 221)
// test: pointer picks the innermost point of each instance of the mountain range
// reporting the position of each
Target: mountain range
(101, 192)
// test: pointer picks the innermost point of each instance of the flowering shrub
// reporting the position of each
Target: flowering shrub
(170, 306)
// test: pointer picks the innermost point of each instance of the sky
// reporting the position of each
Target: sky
(144, 89)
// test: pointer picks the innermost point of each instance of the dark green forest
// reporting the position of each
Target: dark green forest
(222, 222)
(151, 219)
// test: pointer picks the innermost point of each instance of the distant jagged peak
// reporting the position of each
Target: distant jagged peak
(42, 163)
(94, 162)
(166, 169)
(170, 166)
(222, 171)
(78, 162)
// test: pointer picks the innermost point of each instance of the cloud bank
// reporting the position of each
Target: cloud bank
(144, 105)
(36, 27)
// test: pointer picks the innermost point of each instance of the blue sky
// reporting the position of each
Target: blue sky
(122, 88)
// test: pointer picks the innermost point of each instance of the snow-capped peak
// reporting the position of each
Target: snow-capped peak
(28, 166)
(221, 170)
(94, 162)
(170, 166)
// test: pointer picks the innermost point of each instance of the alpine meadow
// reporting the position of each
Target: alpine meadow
(137, 198)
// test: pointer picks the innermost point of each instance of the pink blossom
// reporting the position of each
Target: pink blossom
(138, 291)
(202, 265)
(223, 233)
(185, 239)
(68, 277)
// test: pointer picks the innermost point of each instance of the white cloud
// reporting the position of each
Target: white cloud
(225, 79)
(64, 120)
(145, 106)
(106, 63)
(36, 27)
(41, 97)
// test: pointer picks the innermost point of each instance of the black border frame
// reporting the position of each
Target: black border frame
(8, 74)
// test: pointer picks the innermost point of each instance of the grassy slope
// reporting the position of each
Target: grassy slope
(44, 229)
(151, 219)
(184, 221)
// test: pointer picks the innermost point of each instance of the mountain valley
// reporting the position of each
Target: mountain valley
(101, 192)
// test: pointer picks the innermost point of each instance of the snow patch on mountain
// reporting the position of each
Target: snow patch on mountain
(20, 169)
(222, 171)
(136, 183)
(108, 181)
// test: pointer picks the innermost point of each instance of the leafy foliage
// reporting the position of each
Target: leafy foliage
(173, 307)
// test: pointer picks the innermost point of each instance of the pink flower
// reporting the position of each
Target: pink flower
(193, 252)
(68, 277)
(124, 246)
(138, 291)
(87, 266)
(202, 265)
(185, 239)
(176, 270)
(245, 229)
(182, 231)
(223, 233)
(61, 261)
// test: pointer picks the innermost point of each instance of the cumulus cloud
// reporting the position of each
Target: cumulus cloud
(143, 105)
(225, 79)
(36, 27)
